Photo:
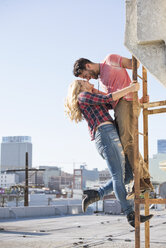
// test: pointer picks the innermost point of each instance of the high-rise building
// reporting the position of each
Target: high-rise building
(13, 150)
(161, 146)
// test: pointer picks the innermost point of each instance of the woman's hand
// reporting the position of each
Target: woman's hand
(95, 91)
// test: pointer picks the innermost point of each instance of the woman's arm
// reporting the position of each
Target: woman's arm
(88, 98)
(120, 93)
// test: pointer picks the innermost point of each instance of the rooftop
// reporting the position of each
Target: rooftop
(99, 231)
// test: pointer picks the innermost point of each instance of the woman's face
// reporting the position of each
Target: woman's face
(86, 86)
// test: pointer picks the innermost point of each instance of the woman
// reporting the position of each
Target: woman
(83, 103)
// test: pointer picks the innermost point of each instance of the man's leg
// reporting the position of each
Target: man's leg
(124, 122)
(128, 172)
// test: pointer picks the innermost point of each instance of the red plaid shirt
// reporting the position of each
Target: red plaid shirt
(94, 108)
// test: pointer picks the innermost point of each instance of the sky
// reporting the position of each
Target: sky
(40, 41)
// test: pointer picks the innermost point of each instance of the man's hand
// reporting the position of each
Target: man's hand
(144, 99)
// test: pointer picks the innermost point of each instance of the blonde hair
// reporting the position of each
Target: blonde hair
(72, 109)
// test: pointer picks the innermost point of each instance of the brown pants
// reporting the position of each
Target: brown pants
(124, 122)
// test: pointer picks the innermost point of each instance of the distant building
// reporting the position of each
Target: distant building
(36, 178)
(8, 180)
(89, 179)
(55, 178)
(157, 168)
(13, 150)
(50, 175)
(157, 164)
(104, 175)
(161, 146)
(84, 178)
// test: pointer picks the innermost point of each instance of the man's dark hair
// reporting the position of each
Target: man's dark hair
(79, 66)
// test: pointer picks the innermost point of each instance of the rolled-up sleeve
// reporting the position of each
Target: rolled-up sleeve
(88, 98)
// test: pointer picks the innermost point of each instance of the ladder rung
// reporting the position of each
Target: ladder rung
(141, 78)
(142, 134)
(150, 201)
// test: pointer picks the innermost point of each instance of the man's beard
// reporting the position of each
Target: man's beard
(94, 74)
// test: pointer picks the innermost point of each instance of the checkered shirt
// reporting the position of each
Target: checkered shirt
(94, 108)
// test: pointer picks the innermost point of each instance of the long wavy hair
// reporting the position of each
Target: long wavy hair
(72, 109)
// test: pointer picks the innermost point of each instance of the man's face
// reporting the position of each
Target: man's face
(88, 74)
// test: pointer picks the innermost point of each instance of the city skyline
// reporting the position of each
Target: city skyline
(18, 140)
(40, 41)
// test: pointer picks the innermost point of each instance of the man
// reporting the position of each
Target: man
(112, 76)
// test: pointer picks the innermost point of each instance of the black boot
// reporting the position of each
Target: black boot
(143, 218)
(91, 196)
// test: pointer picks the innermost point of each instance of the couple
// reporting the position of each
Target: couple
(83, 101)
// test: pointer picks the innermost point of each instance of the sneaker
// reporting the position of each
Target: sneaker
(145, 186)
(91, 197)
(143, 218)
(131, 194)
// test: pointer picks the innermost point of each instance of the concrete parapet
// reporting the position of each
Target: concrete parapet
(112, 207)
(4, 213)
(37, 211)
(61, 209)
(74, 209)
(31, 211)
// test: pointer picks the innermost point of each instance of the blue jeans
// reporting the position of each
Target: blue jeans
(109, 147)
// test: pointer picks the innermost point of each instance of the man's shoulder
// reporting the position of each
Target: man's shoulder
(112, 59)
(112, 56)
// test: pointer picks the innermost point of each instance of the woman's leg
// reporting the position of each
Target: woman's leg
(109, 147)
(128, 177)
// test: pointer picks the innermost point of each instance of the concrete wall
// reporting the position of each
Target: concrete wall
(39, 211)
(145, 34)
(112, 207)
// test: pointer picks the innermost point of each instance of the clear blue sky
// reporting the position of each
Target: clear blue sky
(40, 41)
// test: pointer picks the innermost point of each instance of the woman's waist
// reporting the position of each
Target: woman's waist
(103, 123)
(104, 132)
